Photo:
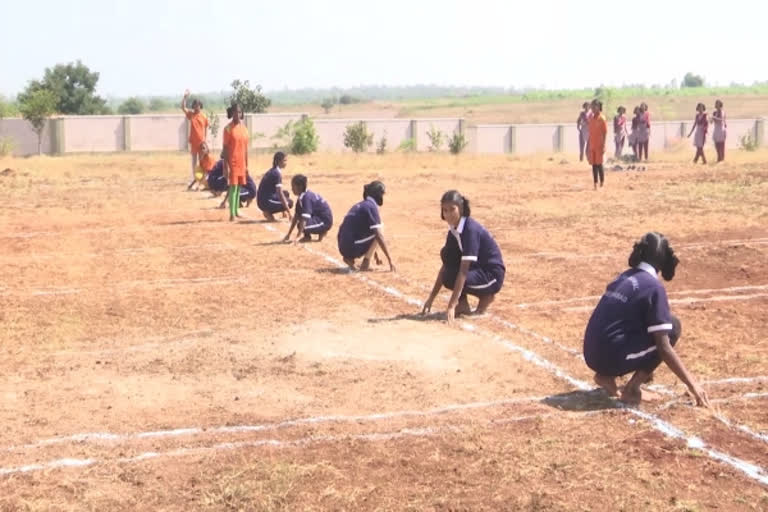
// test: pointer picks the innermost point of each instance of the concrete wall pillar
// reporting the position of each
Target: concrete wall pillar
(57, 136)
(512, 148)
(560, 139)
(415, 134)
(759, 132)
(126, 133)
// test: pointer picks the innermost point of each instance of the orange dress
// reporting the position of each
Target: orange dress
(198, 124)
(236, 141)
(598, 129)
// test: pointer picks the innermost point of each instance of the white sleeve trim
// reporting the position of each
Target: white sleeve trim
(469, 258)
(377, 226)
(279, 185)
(660, 327)
(306, 215)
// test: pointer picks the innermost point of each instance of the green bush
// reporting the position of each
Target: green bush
(131, 106)
(381, 145)
(407, 146)
(7, 145)
(747, 142)
(457, 143)
(304, 139)
(357, 138)
(436, 138)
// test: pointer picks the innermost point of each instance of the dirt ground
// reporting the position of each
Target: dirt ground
(158, 357)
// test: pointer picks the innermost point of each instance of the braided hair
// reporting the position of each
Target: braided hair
(654, 249)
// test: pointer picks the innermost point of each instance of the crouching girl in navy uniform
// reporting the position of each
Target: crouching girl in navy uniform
(272, 198)
(632, 328)
(472, 263)
(360, 231)
(313, 214)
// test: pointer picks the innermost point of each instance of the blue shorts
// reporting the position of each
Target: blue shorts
(350, 249)
(480, 281)
(317, 225)
(274, 205)
(637, 352)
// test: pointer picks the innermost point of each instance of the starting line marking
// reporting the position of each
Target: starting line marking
(751, 470)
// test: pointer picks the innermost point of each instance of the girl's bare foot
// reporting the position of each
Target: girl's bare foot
(365, 265)
(305, 239)
(483, 303)
(321, 236)
(269, 217)
(350, 263)
(607, 383)
(462, 308)
(631, 395)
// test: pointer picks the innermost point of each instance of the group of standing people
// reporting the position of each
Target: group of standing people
(638, 135)
(700, 128)
(631, 329)
(592, 143)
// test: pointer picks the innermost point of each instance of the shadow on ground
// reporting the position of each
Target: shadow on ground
(593, 400)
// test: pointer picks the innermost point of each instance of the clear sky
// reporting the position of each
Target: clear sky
(145, 47)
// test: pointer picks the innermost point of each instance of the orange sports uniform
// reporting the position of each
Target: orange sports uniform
(198, 124)
(598, 129)
(207, 162)
(236, 141)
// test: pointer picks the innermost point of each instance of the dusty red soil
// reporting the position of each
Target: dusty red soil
(129, 306)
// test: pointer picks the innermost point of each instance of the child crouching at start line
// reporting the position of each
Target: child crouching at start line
(471, 260)
(632, 328)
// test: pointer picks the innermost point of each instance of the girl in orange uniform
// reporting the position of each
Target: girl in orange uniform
(235, 155)
(598, 129)
(198, 127)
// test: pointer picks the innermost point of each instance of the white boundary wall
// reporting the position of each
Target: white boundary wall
(96, 134)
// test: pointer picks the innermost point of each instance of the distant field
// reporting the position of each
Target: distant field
(510, 109)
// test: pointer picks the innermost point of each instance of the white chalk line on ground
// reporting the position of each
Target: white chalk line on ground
(701, 291)
(93, 437)
(751, 470)
(685, 301)
(274, 443)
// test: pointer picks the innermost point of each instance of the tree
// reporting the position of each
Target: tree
(691, 80)
(347, 99)
(328, 104)
(7, 108)
(357, 138)
(213, 126)
(158, 104)
(73, 86)
(131, 106)
(250, 100)
(36, 108)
